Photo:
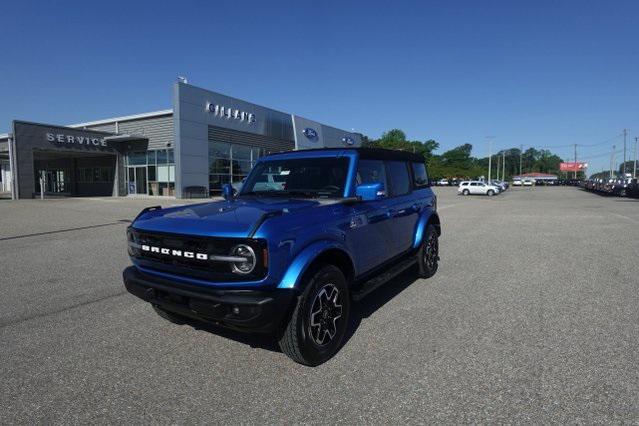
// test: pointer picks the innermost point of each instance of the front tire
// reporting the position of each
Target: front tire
(466, 192)
(490, 193)
(428, 254)
(319, 321)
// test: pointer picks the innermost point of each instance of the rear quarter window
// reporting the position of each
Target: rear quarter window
(420, 177)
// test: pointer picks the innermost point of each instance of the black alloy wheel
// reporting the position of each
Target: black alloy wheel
(319, 320)
(428, 255)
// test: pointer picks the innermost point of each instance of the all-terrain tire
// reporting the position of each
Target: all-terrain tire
(312, 336)
(428, 253)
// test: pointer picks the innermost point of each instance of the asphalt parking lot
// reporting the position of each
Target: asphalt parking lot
(533, 317)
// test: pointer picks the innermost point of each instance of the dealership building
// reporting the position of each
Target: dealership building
(206, 140)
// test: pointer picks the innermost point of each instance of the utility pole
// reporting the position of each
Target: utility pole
(612, 159)
(634, 166)
(503, 166)
(498, 167)
(575, 161)
(625, 133)
(521, 153)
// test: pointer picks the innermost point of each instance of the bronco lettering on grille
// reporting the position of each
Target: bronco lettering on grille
(175, 253)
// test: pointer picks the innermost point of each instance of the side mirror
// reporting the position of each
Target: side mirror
(370, 191)
(227, 192)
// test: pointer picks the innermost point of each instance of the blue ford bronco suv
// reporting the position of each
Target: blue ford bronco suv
(309, 232)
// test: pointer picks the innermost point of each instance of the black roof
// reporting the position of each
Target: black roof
(389, 154)
(372, 153)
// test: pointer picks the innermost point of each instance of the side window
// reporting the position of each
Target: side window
(473, 184)
(372, 171)
(399, 178)
(420, 178)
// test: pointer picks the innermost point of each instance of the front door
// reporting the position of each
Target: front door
(369, 226)
(137, 180)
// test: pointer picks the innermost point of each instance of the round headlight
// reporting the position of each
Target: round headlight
(246, 266)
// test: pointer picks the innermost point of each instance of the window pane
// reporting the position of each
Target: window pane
(420, 178)
(150, 157)
(220, 166)
(219, 150)
(162, 157)
(171, 158)
(371, 171)
(400, 181)
(241, 167)
(136, 158)
(152, 173)
(241, 152)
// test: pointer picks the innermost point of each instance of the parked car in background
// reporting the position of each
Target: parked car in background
(443, 182)
(500, 184)
(528, 182)
(475, 187)
(517, 182)
(633, 188)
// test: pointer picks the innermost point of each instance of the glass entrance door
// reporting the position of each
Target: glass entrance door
(137, 180)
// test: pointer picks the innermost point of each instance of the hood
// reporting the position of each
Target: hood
(239, 218)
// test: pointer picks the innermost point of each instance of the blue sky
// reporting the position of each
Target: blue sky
(537, 73)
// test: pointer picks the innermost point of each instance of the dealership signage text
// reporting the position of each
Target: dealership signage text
(76, 140)
(231, 113)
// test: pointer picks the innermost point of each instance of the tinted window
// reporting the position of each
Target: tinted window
(399, 178)
(473, 184)
(371, 171)
(298, 177)
(420, 178)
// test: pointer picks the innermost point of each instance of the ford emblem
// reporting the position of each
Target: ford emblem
(348, 140)
(310, 133)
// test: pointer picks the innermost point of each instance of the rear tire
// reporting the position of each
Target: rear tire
(428, 254)
(170, 316)
(318, 323)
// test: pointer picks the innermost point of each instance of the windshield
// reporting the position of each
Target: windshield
(299, 178)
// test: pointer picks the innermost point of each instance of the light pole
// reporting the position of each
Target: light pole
(634, 166)
(490, 155)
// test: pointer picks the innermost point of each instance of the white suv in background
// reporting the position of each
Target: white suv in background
(477, 187)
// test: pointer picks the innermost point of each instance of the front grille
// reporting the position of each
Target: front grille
(184, 255)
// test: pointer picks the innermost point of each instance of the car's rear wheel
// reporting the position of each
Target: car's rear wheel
(428, 254)
(490, 193)
(318, 323)
(466, 192)
(170, 316)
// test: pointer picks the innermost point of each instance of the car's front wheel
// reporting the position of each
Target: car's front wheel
(319, 321)
(428, 254)
(466, 192)
(490, 193)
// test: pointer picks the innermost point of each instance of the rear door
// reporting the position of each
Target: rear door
(402, 210)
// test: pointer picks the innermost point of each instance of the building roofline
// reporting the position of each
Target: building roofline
(124, 118)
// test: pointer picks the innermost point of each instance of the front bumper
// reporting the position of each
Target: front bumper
(245, 310)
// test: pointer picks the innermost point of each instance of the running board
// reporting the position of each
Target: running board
(374, 283)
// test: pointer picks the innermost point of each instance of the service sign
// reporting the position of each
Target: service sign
(75, 140)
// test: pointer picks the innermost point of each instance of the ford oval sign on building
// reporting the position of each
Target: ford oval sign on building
(348, 140)
(310, 133)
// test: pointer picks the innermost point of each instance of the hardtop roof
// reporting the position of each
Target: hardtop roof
(364, 153)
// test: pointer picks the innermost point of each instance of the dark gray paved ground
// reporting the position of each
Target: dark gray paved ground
(533, 317)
